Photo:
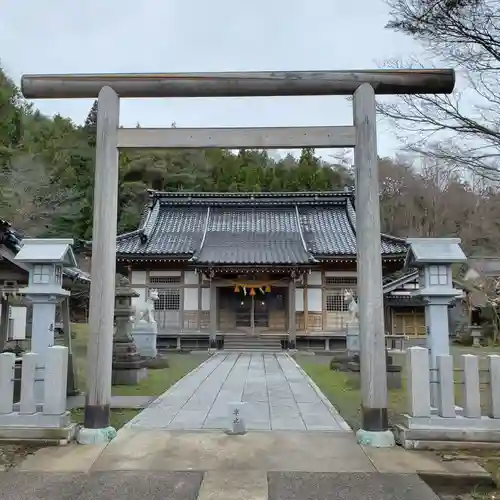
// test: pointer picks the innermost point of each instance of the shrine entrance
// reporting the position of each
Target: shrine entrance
(254, 314)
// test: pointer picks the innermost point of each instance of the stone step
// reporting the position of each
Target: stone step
(247, 351)
(244, 342)
(240, 344)
(252, 339)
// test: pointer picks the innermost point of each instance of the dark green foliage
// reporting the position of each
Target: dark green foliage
(47, 170)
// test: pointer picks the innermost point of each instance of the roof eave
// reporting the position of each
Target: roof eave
(385, 256)
(152, 256)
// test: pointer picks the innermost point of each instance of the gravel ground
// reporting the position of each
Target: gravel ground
(13, 454)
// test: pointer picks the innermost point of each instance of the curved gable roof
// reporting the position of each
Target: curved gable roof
(244, 228)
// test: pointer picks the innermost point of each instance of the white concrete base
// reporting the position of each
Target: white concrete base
(352, 339)
(144, 335)
(441, 438)
(40, 419)
(31, 433)
(95, 436)
(382, 439)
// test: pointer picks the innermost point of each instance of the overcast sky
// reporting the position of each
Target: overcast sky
(221, 35)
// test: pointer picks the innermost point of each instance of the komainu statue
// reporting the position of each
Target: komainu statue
(145, 312)
(352, 304)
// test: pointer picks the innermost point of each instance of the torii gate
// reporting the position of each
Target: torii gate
(363, 85)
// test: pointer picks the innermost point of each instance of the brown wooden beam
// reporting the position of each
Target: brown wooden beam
(239, 84)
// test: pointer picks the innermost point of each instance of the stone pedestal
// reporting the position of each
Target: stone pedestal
(352, 339)
(144, 335)
(341, 361)
(128, 366)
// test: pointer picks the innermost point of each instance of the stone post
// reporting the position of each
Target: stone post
(438, 337)
(42, 334)
(54, 401)
(446, 401)
(417, 385)
(471, 390)
(494, 385)
(28, 403)
(7, 361)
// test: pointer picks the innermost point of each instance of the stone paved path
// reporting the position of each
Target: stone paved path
(195, 485)
(276, 393)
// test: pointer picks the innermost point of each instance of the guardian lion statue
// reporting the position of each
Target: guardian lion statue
(145, 312)
(352, 305)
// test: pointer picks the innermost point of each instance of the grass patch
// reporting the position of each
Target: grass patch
(118, 417)
(155, 384)
(338, 387)
(158, 380)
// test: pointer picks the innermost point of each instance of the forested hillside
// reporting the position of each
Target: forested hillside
(48, 170)
(47, 176)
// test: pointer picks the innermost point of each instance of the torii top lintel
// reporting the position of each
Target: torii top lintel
(239, 84)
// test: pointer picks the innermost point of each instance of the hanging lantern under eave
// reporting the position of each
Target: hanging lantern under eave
(236, 289)
(252, 292)
(267, 289)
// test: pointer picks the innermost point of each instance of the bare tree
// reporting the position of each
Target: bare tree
(420, 196)
(464, 128)
(29, 199)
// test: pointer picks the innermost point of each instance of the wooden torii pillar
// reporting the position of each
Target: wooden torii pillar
(363, 85)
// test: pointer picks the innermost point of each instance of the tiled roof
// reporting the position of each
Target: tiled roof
(243, 228)
(253, 236)
(174, 231)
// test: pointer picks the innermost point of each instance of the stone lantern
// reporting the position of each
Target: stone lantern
(128, 366)
(433, 257)
(45, 259)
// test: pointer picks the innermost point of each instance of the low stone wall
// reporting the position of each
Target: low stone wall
(27, 419)
(444, 424)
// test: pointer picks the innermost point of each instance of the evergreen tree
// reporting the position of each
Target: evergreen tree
(50, 189)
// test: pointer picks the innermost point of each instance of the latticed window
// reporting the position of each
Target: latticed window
(42, 273)
(438, 275)
(58, 274)
(335, 302)
(335, 295)
(169, 299)
(165, 280)
(342, 281)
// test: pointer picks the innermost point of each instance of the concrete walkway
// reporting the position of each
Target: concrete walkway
(162, 455)
(277, 394)
(172, 465)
